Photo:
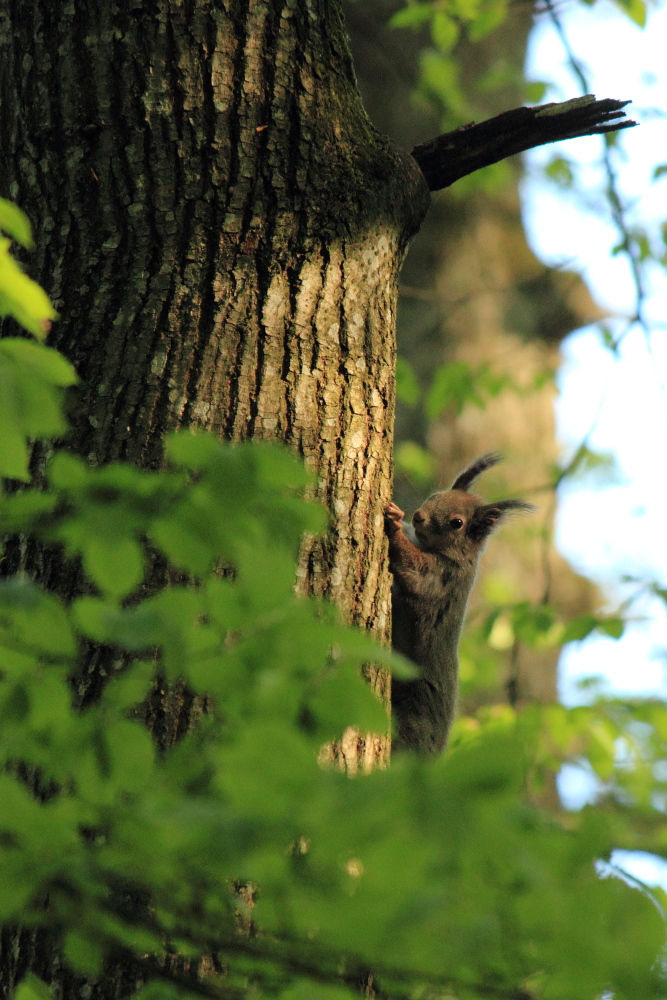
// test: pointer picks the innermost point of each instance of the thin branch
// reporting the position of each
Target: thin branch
(456, 154)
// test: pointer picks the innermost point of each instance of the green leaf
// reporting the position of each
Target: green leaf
(23, 511)
(444, 31)
(193, 449)
(67, 471)
(635, 9)
(440, 78)
(412, 16)
(132, 686)
(345, 699)
(47, 364)
(13, 447)
(120, 758)
(185, 548)
(33, 620)
(560, 171)
(579, 628)
(82, 954)
(534, 91)
(134, 629)
(415, 462)
(492, 14)
(32, 988)
(535, 625)
(601, 750)
(613, 627)
(15, 223)
(466, 10)
(30, 401)
(116, 566)
(407, 386)
(22, 298)
(453, 385)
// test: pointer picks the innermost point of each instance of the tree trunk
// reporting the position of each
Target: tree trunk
(221, 229)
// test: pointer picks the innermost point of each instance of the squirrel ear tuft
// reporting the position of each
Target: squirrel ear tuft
(487, 517)
(481, 464)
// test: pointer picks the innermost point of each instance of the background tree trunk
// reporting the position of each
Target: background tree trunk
(221, 229)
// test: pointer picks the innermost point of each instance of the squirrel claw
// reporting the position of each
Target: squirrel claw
(393, 516)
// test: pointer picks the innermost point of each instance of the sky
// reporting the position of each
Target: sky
(615, 529)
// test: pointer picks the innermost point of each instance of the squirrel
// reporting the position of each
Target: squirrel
(434, 565)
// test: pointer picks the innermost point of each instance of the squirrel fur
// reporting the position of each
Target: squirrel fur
(434, 565)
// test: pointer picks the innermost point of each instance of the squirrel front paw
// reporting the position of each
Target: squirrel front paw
(393, 515)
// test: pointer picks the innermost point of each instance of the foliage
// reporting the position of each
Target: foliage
(453, 386)
(451, 22)
(445, 876)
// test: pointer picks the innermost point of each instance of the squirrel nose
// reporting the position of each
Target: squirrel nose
(418, 517)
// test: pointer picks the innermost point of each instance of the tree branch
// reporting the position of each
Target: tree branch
(456, 154)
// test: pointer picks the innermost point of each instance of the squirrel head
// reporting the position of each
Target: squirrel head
(456, 523)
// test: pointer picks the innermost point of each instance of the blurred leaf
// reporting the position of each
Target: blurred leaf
(491, 16)
(115, 565)
(559, 170)
(535, 625)
(415, 462)
(32, 988)
(579, 628)
(440, 79)
(31, 377)
(22, 298)
(15, 223)
(534, 91)
(48, 365)
(31, 619)
(444, 31)
(613, 627)
(412, 16)
(499, 74)
(407, 385)
(635, 10)
(345, 700)
(82, 954)
(608, 338)
(457, 385)
(586, 462)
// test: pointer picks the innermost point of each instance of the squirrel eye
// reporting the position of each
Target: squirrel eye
(456, 523)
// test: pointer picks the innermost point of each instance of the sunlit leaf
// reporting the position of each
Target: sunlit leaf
(635, 10)
(412, 16)
(15, 223)
(23, 298)
(444, 31)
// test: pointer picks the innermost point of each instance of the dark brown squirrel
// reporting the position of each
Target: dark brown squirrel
(433, 577)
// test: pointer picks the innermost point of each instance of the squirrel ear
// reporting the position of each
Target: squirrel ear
(481, 464)
(487, 517)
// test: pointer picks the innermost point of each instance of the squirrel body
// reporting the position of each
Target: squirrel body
(434, 565)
